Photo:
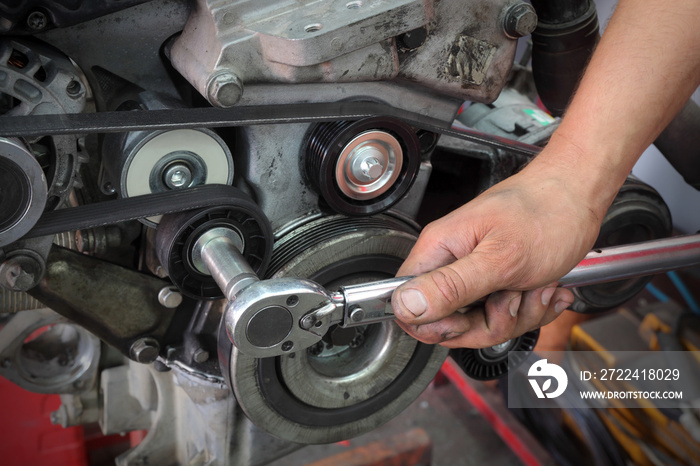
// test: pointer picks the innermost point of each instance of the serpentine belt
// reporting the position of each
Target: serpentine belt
(119, 210)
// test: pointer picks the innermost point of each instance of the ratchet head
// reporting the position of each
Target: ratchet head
(264, 319)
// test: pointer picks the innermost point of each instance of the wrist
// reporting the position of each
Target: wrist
(591, 176)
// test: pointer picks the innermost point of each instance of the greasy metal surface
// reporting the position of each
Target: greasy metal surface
(286, 41)
(127, 306)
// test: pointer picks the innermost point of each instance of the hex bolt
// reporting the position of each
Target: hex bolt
(177, 176)
(224, 89)
(145, 350)
(357, 314)
(200, 355)
(37, 20)
(169, 297)
(520, 20)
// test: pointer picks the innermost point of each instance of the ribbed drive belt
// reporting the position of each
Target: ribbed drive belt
(115, 211)
(131, 208)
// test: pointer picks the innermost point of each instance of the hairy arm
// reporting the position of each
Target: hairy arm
(517, 239)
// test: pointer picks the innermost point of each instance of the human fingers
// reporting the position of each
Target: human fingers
(489, 325)
(561, 300)
(474, 328)
(437, 294)
(430, 251)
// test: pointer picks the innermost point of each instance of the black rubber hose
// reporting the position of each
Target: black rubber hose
(562, 44)
(680, 143)
(560, 11)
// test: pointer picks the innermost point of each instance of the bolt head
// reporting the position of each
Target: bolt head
(145, 350)
(357, 314)
(201, 355)
(520, 20)
(37, 20)
(177, 176)
(224, 89)
(169, 297)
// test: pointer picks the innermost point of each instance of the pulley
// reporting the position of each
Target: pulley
(36, 173)
(495, 361)
(353, 379)
(22, 191)
(637, 214)
(145, 162)
(240, 218)
(362, 167)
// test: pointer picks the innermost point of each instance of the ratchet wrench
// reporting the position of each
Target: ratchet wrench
(266, 318)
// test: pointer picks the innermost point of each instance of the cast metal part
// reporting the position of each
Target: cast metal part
(126, 310)
(250, 42)
(44, 352)
(23, 191)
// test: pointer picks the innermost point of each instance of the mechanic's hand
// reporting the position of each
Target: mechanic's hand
(522, 234)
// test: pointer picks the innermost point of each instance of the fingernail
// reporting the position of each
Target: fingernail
(547, 295)
(560, 306)
(414, 301)
(452, 335)
(514, 305)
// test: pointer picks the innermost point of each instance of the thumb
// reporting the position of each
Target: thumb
(437, 294)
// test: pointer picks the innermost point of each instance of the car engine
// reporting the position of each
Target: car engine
(315, 136)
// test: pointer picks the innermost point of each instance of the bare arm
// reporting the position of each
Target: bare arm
(528, 231)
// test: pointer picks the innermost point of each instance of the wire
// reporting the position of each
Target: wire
(657, 293)
(683, 290)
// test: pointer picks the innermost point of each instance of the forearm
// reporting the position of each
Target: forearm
(644, 69)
